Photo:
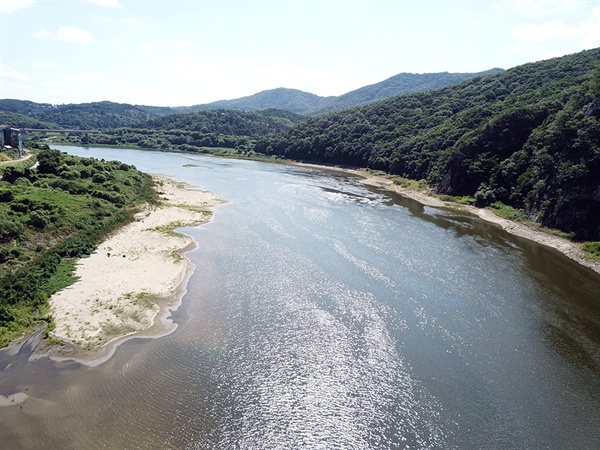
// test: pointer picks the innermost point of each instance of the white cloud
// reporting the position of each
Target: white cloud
(544, 31)
(85, 78)
(542, 8)
(44, 65)
(42, 33)
(9, 6)
(74, 35)
(591, 30)
(574, 35)
(130, 21)
(116, 43)
(100, 19)
(107, 3)
(9, 72)
(181, 43)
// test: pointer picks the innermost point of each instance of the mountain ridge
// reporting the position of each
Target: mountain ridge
(107, 114)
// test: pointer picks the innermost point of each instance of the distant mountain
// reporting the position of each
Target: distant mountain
(90, 116)
(401, 84)
(292, 100)
(106, 115)
(310, 104)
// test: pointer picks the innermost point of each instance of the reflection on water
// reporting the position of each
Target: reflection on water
(324, 314)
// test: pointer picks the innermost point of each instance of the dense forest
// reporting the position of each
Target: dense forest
(50, 215)
(528, 137)
(401, 84)
(199, 131)
(85, 116)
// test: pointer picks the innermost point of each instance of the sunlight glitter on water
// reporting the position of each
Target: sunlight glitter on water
(325, 315)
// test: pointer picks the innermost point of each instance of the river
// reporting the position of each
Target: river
(325, 314)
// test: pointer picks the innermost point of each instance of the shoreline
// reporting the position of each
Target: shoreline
(133, 281)
(148, 281)
(568, 248)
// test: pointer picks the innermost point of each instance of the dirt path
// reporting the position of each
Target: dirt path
(14, 161)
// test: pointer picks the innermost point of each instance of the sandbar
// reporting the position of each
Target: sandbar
(132, 279)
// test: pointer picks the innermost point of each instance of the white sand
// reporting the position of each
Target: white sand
(121, 285)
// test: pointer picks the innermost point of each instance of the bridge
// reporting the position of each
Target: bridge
(14, 136)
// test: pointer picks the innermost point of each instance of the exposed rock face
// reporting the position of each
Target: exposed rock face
(578, 212)
(593, 108)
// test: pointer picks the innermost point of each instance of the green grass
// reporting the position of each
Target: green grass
(592, 249)
(405, 182)
(508, 212)
(62, 278)
(463, 200)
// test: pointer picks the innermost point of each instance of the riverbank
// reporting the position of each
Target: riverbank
(130, 283)
(569, 248)
(536, 234)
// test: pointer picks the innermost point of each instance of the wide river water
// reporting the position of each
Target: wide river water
(324, 314)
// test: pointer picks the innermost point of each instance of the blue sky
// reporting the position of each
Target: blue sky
(181, 53)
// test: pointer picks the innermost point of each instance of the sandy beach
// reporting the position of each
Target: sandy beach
(133, 278)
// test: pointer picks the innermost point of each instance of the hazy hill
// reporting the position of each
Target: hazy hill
(528, 137)
(292, 100)
(89, 116)
(106, 115)
(403, 83)
(310, 104)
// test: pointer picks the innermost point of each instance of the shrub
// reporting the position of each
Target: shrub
(593, 248)
(20, 206)
(12, 174)
(508, 212)
(484, 196)
(6, 196)
(10, 230)
(100, 177)
(39, 219)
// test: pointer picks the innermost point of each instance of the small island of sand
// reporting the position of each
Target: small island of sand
(133, 275)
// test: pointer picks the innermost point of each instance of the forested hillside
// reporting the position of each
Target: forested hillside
(50, 215)
(109, 115)
(195, 132)
(25, 121)
(87, 116)
(401, 84)
(292, 100)
(528, 137)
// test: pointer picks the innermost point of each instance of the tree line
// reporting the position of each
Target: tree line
(526, 137)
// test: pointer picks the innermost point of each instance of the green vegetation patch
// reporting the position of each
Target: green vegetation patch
(592, 249)
(51, 215)
(508, 212)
